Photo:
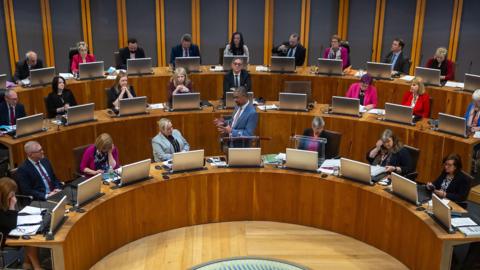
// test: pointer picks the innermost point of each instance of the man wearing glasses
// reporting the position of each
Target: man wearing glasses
(11, 110)
(236, 77)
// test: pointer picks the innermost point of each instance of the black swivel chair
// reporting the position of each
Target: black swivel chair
(333, 143)
(71, 53)
(118, 61)
(220, 55)
(77, 159)
(414, 155)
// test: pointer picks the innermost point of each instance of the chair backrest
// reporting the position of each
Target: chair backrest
(71, 52)
(414, 154)
(77, 157)
(116, 57)
(220, 55)
(333, 143)
(45, 103)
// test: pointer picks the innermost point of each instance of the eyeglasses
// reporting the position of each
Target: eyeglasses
(237, 63)
(38, 151)
(448, 164)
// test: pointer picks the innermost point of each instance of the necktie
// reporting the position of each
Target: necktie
(290, 52)
(236, 116)
(12, 115)
(185, 52)
(44, 175)
(237, 83)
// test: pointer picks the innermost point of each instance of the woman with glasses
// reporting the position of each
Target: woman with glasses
(81, 57)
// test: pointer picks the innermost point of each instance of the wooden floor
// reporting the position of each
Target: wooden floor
(186, 247)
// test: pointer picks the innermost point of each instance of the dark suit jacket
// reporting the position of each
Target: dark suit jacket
(299, 53)
(229, 82)
(54, 101)
(177, 51)
(112, 95)
(400, 159)
(402, 65)
(458, 189)
(19, 113)
(124, 54)
(22, 71)
(30, 181)
(8, 222)
(329, 150)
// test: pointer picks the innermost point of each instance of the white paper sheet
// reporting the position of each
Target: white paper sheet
(454, 84)
(30, 210)
(29, 219)
(268, 107)
(466, 221)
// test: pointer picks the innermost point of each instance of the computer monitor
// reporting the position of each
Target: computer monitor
(187, 161)
(139, 66)
(190, 64)
(80, 114)
(301, 160)
(429, 76)
(29, 125)
(409, 190)
(282, 64)
(292, 101)
(57, 217)
(186, 101)
(230, 103)
(452, 124)
(301, 87)
(471, 82)
(442, 213)
(346, 106)
(3, 81)
(92, 70)
(135, 172)
(379, 70)
(228, 59)
(88, 190)
(244, 157)
(398, 113)
(132, 106)
(41, 76)
(330, 66)
(359, 171)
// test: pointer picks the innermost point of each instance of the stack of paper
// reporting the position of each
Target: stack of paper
(377, 111)
(329, 166)
(267, 107)
(463, 221)
(216, 68)
(454, 84)
(261, 68)
(66, 76)
(156, 106)
(407, 78)
(30, 210)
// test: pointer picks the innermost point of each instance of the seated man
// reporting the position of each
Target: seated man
(292, 48)
(132, 51)
(11, 110)
(400, 64)
(185, 49)
(236, 77)
(244, 118)
(22, 70)
(35, 175)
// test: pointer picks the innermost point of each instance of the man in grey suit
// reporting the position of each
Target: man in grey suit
(168, 141)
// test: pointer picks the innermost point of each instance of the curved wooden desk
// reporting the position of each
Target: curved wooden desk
(264, 84)
(367, 213)
(132, 135)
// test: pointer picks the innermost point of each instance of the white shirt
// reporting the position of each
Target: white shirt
(132, 55)
(239, 113)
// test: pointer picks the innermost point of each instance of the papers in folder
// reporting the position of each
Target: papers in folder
(329, 166)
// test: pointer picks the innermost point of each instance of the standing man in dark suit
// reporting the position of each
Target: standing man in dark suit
(400, 64)
(236, 77)
(35, 175)
(185, 49)
(292, 48)
(10, 109)
(22, 70)
(132, 51)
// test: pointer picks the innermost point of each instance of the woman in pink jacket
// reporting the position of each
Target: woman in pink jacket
(335, 51)
(365, 91)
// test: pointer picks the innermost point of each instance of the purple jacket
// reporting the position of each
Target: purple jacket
(88, 159)
(370, 94)
(344, 55)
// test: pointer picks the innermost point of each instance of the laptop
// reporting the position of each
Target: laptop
(92, 70)
(230, 103)
(29, 125)
(346, 106)
(134, 172)
(301, 160)
(429, 76)
(139, 66)
(379, 70)
(471, 82)
(452, 124)
(190, 64)
(3, 81)
(228, 59)
(292, 102)
(330, 66)
(88, 191)
(301, 87)
(361, 172)
(188, 161)
(186, 101)
(244, 157)
(442, 213)
(409, 190)
(57, 217)
(132, 106)
(398, 113)
(282, 64)
(41, 76)
(80, 114)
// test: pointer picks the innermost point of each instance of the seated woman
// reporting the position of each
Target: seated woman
(472, 115)
(440, 61)
(335, 51)
(179, 83)
(418, 99)
(8, 220)
(119, 90)
(60, 98)
(168, 141)
(100, 157)
(365, 91)
(315, 132)
(236, 46)
(390, 153)
(81, 57)
(452, 183)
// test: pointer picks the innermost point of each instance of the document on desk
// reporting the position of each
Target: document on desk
(216, 68)
(377, 111)
(461, 222)
(30, 210)
(454, 84)
(156, 106)
(476, 135)
(329, 166)
(261, 69)
(29, 220)
(267, 107)
(407, 78)
(24, 230)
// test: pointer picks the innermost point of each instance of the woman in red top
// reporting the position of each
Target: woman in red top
(81, 57)
(418, 99)
(440, 61)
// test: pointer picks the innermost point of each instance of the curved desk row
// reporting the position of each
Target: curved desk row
(368, 213)
(132, 135)
(266, 85)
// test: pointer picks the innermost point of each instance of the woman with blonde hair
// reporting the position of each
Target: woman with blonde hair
(179, 83)
(81, 57)
(168, 141)
(100, 156)
(119, 90)
(418, 99)
(440, 61)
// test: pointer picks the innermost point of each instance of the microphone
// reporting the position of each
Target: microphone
(470, 67)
